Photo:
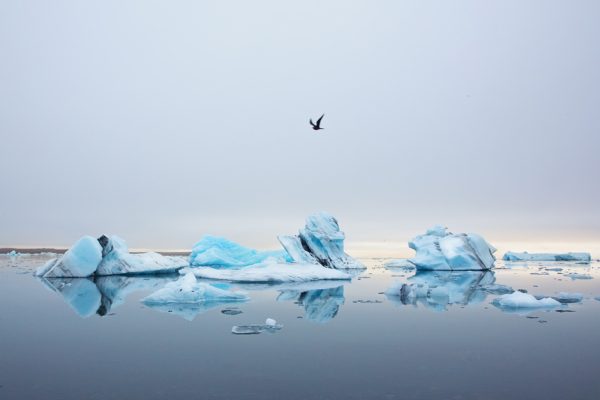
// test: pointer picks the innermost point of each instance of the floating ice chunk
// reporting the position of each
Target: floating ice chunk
(231, 311)
(13, 253)
(579, 276)
(322, 241)
(272, 271)
(437, 289)
(519, 300)
(565, 298)
(81, 260)
(525, 256)
(400, 263)
(218, 252)
(188, 290)
(270, 326)
(438, 249)
(117, 260)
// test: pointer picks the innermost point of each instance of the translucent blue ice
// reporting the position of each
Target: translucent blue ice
(218, 252)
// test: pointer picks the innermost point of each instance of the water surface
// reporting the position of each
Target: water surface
(94, 339)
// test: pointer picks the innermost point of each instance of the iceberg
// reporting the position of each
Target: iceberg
(320, 242)
(271, 271)
(187, 290)
(117, 260)
(523, 301)
(218, 252)
(525, 256)
(439, 249)
(437, 289)
(80, 261)
(107, 256)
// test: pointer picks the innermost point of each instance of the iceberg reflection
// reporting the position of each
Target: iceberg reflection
(89, 296)
(320, 305)
(438, 289)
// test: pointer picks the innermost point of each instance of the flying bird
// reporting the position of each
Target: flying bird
(317, 126)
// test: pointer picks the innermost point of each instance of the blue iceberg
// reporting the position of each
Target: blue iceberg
(107, 256)
(439, 249)
(218, 252)
(320, 241)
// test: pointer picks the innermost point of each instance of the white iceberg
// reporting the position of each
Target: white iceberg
(439, 249)
(80, 261)
(271, 271)
(525, 256)
(187, 290)
(104, 256)
(117, 260)
(320, 241)
(218, 252)
(523, 301)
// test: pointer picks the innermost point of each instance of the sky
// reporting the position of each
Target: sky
(161, 121)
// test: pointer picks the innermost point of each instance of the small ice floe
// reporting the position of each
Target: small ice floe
(517, 301)
(231, 311)
(13, 253)
(575, 276)
(439, 249)
(525, 256)
(554, 269)
(188, 290)
(403, 263)
(270, 326)
(565, 298)
(367, 301)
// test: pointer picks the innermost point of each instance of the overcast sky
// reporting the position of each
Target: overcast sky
(160, 121)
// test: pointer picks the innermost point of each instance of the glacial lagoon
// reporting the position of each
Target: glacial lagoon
(389, 333)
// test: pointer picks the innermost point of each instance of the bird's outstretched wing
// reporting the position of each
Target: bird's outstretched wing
(312, 123)
(319, 120)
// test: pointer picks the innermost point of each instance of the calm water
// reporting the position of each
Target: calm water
(80, 339)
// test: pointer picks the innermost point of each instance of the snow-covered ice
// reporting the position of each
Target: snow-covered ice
(439, 249)
(320, 240)
(271, 271)
(525, 256)
(188, 290)
(218, 252)
(523, 301)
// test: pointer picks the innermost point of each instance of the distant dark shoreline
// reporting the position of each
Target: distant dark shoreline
(6, 250)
